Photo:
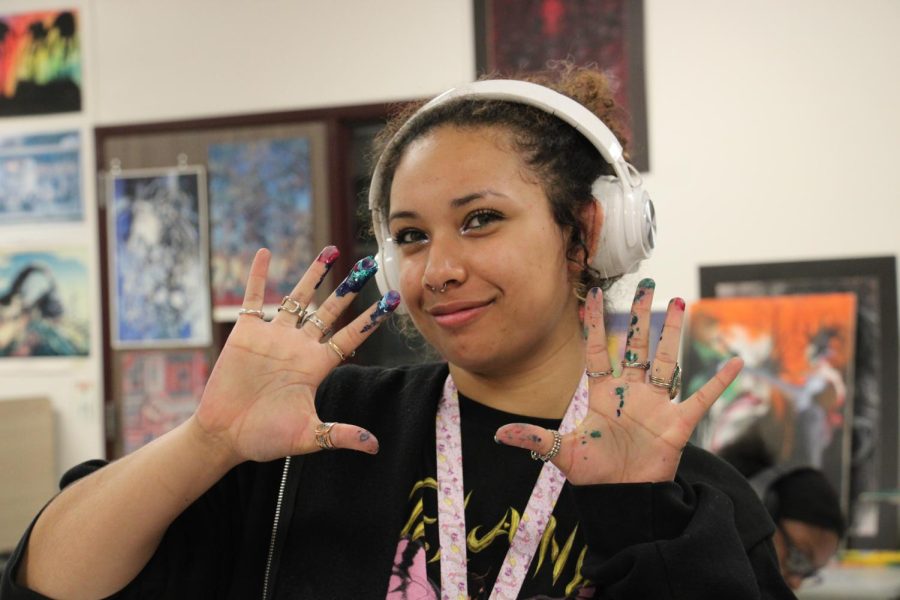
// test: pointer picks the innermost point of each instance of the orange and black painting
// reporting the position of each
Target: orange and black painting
(792, 403)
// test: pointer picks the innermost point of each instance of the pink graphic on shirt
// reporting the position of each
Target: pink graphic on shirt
(409, 576)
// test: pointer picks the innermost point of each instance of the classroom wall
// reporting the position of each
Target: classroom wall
(773, 128)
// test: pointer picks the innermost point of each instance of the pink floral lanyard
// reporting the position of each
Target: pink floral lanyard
(451, 506)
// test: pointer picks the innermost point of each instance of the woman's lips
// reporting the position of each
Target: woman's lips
(457, 316)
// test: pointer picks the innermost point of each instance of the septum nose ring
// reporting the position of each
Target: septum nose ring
(435, 290)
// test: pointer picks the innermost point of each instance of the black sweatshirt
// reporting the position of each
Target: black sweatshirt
(705, 535)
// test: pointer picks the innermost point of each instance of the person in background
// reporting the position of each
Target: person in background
(809, 523)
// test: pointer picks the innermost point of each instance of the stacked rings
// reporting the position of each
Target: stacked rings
(323, 436)
(554, 449)
(673, 385)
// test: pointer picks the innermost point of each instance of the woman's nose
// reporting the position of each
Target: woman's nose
(446, 264)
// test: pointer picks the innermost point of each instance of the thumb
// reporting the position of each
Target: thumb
(345, 436)
(530, 437)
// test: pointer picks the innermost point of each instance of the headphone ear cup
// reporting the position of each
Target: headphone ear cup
(610, 243)
(629, 227)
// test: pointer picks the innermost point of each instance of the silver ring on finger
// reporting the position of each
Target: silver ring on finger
(554, 449)
(634, 364)
(252, 311)
(312, 317)
(292, 306)
(598, 374)
(673, 385)
(323, 436)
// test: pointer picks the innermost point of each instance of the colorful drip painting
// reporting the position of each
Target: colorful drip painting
(792, 402)
(260, 196)
(159, 391)
(40, 178)
(158, 258)
(40, 63)
(44, 308)
(516, 36)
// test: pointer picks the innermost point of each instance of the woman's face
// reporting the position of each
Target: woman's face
(466, 212)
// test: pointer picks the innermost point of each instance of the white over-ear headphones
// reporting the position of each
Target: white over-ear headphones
(629, 222)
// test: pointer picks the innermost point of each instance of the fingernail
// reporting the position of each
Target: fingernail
(678, 302)
(388, 304)
(361, 273)
(497, 441)
(595, 291)
(647, 283)
(327, 257)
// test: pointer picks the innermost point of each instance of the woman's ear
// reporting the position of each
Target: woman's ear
(592, 221)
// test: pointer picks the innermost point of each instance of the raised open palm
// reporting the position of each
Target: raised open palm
(632, 432)
(260, 398)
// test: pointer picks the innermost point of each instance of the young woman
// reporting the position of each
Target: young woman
(522, 466)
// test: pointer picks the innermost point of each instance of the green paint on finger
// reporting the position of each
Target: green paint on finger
(595, 434)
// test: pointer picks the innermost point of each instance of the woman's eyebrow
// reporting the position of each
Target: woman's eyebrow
(455, 203)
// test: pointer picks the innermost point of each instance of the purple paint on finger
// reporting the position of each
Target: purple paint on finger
(361, 273)
(388, 304)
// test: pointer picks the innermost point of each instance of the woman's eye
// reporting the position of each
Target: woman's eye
(409, 236)
(481, 218)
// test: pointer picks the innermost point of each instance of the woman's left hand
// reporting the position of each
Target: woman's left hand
(633, 432)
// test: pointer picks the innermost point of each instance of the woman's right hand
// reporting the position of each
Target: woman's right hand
(259, 403)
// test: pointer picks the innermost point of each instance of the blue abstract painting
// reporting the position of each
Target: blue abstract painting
(261, 195)
(40, 178)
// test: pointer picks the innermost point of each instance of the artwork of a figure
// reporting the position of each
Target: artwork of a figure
(43, 305)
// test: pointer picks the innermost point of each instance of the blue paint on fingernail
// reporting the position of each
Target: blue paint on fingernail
(361, 273)
(386, 306)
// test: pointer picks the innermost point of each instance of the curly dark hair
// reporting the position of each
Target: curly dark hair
(564, 162)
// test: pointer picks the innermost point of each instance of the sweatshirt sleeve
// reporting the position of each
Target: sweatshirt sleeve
(9, 589)
(672, 540)
(202, 549)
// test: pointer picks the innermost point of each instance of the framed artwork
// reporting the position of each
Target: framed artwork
(521, 36)
(159, 390)
(873, 456)
(261, 196)
(792, 402)
(40, 178)
(158, 257)
(40, 63)
(44, 308)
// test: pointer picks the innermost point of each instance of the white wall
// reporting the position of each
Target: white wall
(773, 125)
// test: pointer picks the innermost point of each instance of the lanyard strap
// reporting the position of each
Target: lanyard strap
(451, 505)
